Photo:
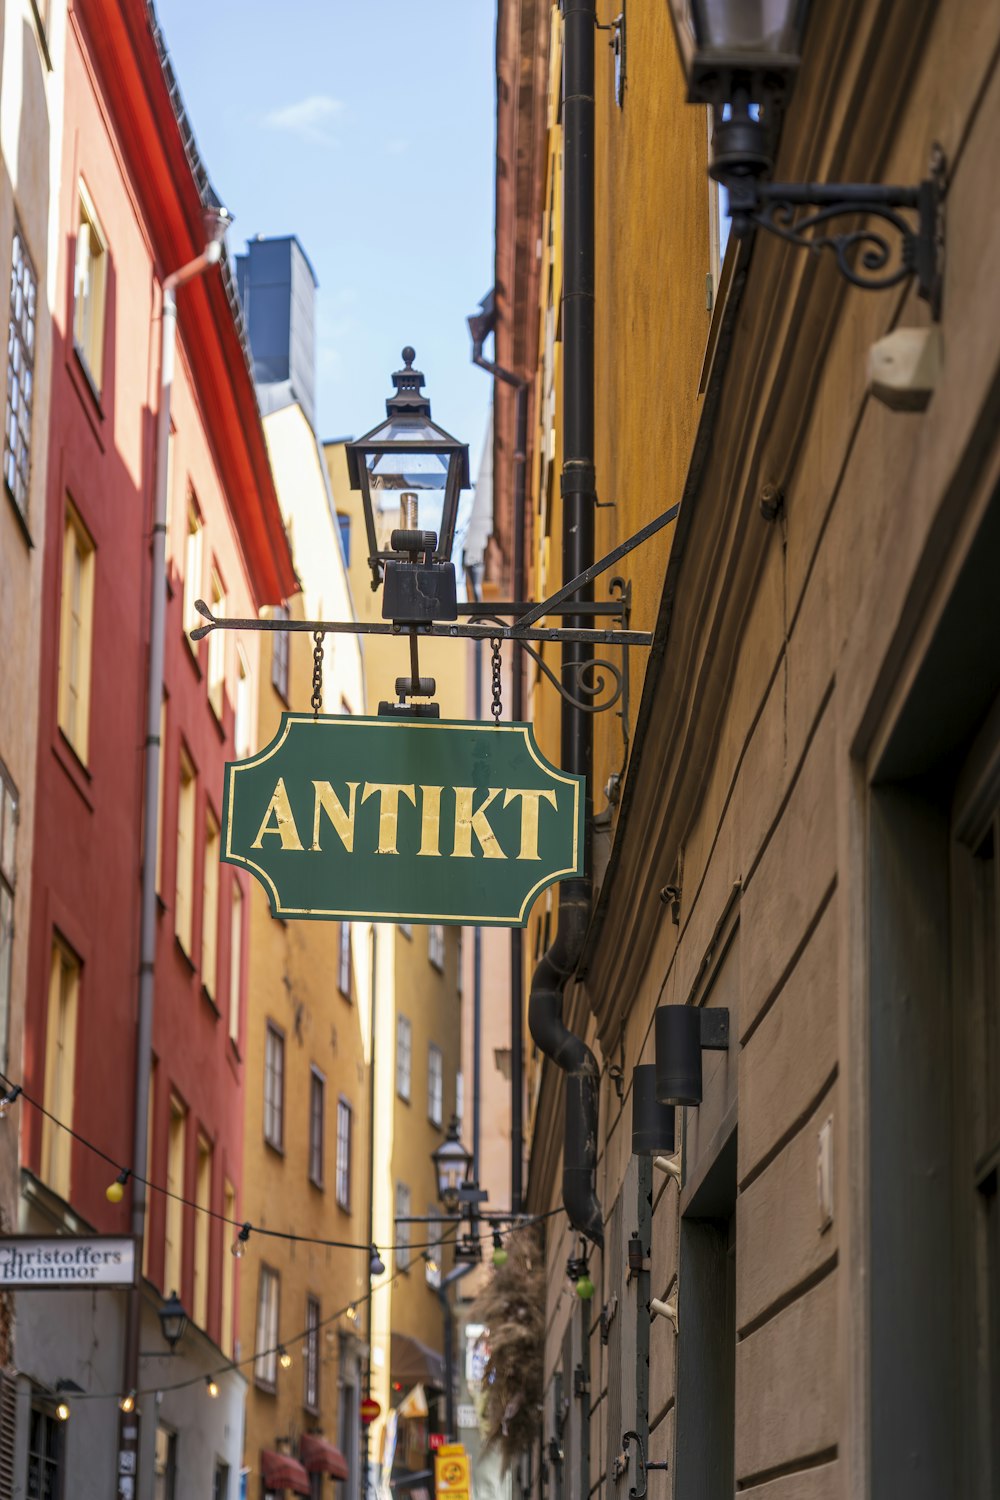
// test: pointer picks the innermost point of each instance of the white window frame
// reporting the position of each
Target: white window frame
(310, 1355)
(345, 1132)
(274, 1086)
(435, 1085)
(266, 1341)
(403, 1210)
(317, 1125)
(279, 654)
(344, 959)
(90, 301)
(435, 945)
(8, 871)
(404, 1057)
(21, 330)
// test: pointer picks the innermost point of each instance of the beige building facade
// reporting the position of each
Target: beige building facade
(805, 840)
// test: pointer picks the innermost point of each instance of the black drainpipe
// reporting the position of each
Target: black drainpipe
(578, 486)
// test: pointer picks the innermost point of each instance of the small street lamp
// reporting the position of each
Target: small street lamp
(410, 473)
(453, 1165)
(173, 1320)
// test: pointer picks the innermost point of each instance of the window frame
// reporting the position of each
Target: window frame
(89, 345)
(280, 654)
(274, 1107)
(194, 566)
(216, 669)
(403, 1200)
(435, 1084)
(210, 904)
(22, 333)
(344, 959)
(317, 1137)
(237, 943)
(185, 849)
(436, 946)
(76, 647)
(60, 1097)
(404, 1058)
(345, 1141)
(265, 1360)
(49, 1466)
(310, 1355)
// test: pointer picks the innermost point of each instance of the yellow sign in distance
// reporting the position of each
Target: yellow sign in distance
(451, 1472)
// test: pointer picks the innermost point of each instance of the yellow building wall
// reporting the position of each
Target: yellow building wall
(653, 311)
(294, 984)
(409, 984)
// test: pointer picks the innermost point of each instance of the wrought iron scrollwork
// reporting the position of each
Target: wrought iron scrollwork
(593, 667)
(865, 257)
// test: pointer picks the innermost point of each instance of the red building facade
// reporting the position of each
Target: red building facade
(130, 210)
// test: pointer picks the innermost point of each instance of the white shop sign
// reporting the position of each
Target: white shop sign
(59, 1260)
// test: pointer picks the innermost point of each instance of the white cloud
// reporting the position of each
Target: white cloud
(307, 118)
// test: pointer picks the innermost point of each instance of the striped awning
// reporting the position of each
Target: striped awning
(280, 1472)
(321, 1457)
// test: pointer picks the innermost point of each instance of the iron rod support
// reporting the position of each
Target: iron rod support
(515, 632)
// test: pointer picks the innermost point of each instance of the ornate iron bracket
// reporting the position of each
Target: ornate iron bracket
(865, 256)
(637, 1491)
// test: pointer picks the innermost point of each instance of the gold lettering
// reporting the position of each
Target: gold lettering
(430, 820)
(529, 817)
(284, 824)
(389, 793)
(469, 822)
(328, 802)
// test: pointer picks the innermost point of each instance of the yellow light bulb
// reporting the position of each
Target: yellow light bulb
(127, 1403)
(284, 1359)
(213, 1389)
(62, 1411)
(114, 1192)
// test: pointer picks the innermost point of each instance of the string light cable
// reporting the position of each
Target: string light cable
(116, 1191)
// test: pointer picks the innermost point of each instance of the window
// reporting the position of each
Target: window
(279, 653)
(60, 1066)
(317, 1111)
(344, 960)
(235, 961)
(460, 1100)
(45, 1455)
(89, 287)
(202, 1223)
(274, 1087)
(220, 1481)
(75, 629)
(344, 522)
(404, 1056)
(435, 1084)
(165, 1464)
(20, 375)
(435, 945)
(193, 546)
(173, 1252)
(310, 1356)
(210, 905)
(184, 886)
(266, 1347)
(343, 1153)
(242, 731)
(402, 1230)
(217, 650)
(8, 836)
(228, 1275)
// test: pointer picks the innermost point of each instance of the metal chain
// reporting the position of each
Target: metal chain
(497, 708)
(316, 701)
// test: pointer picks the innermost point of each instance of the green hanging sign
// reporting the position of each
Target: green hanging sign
(403, 820)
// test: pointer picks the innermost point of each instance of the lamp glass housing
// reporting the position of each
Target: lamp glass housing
(720, 38)
(173, 1320)
(408, 456)
(453, 1164)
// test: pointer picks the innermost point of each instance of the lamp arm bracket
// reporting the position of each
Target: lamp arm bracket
(864, 253)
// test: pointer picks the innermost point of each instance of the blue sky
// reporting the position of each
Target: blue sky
(366, 127)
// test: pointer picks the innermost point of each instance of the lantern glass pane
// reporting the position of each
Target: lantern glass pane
(752, 26)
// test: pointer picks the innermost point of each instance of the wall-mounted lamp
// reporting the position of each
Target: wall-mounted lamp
(652, 1122)
(742, 61)
(682, 1033)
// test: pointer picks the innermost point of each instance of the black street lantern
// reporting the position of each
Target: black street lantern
(173, 1320)
(410, 473)
(741, 57)
(453, 1165)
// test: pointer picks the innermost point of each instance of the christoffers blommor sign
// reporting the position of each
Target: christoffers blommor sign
(403, 820)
